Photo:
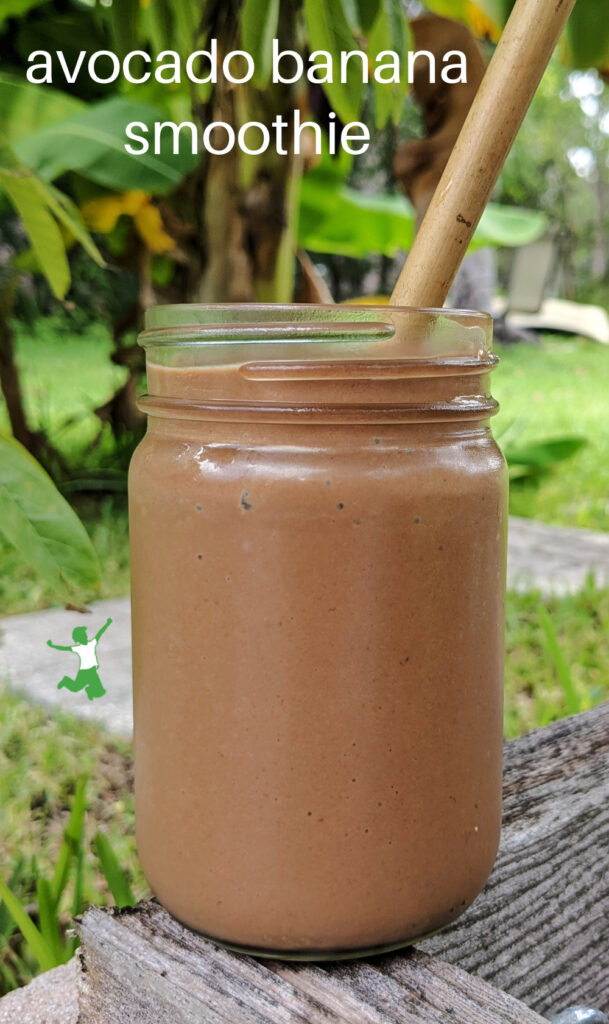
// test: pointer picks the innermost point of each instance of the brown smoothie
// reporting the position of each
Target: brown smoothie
(318, 655)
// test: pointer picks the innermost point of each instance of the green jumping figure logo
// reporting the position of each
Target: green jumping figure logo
(87, 677)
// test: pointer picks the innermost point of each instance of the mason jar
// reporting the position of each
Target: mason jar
(318, 522)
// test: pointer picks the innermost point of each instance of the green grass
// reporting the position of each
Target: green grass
(559, 387)
(65, 375)
(42, 756)
(534, 693)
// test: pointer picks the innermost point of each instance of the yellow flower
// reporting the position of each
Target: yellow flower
(102, 214)
(149, 226)
(367, 300)
(480, 23)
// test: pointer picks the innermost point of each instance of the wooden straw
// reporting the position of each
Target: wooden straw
(489, 130)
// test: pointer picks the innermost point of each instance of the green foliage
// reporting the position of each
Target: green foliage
(337, 219)
(556, 656)
(539, 173)
(40, 524)
(70, 850)
(28, 198)
(586, 40)
(350, 223)
(116, 878)
(47, 242)
(47, 941)
(37, 944)
(187, 17)
(22, 587)
(45, 213)
(35, 519)
(157, 24)
(124, 23)
(43, 758)
(573, 702)
(93, 143)
(66, 374)
(552, 390)
(259, 20)
(532, 460)
(509, 226)
(328, 29)
(456, 9)
(26, 108)
(70, 219)
(8, 977)
(367, 13)
(497, 10)
(70, 27)
(17, 8)
(170, 24)
(340, 220)
(49, 924)
(389, 31)
(588, 35)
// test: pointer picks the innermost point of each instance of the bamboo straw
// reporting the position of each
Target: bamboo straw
(489, 130)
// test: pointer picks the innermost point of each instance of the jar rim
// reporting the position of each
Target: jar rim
(244, 333)
(194, 314)
(298, 356)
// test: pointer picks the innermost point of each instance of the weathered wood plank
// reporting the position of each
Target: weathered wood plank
(145, 967)
(540, 931)
(408, 989)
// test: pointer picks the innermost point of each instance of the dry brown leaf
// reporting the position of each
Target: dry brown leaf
(419, 163)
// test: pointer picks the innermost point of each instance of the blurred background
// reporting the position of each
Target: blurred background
(90, 236)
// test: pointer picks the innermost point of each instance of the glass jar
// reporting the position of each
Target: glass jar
(318, 515)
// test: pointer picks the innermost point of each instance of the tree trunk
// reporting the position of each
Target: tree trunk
(247, 243)
(11, 387)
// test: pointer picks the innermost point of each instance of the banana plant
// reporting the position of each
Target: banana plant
(337, 219)
(585, 43)
(245, 203)
(34, 517)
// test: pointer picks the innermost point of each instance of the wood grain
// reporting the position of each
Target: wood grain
(145, 967)
(479, 153)
(539, 932)
(540, 929)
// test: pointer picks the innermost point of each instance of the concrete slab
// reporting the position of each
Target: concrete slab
(31, 667)
(553, 559)
(51, 998)
(547, 558)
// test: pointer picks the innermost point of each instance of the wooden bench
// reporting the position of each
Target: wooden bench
(535, 941)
